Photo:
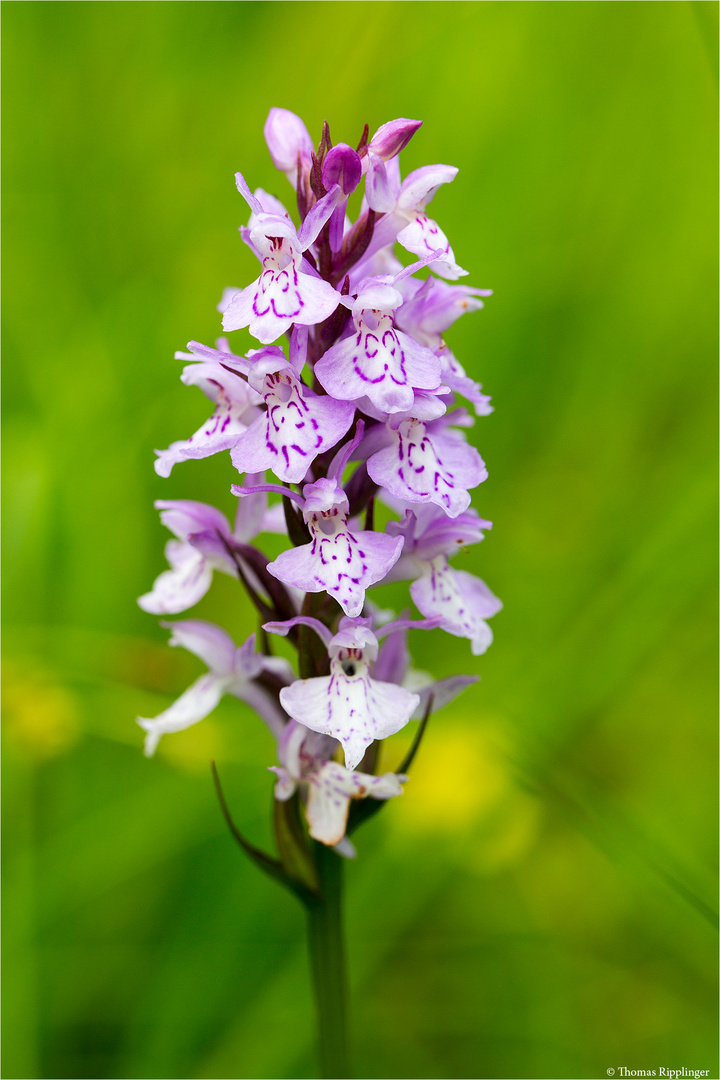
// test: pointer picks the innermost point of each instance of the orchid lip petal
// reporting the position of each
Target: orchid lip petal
(428, 463)
(354, 709)
(338, 560)
(297, 426)
(283, 294)
(461, 600)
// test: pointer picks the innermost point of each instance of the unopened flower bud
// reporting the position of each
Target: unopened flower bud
(393, 137)
(342, 166)
(286, 137)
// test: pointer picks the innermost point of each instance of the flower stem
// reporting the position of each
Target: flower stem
(327, 964)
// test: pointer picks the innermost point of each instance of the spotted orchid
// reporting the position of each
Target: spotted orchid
(349, 704)
(404, 206)
(347, 441)
(346, 406)
(288, 291)
(340, 560)
(462, 601)
(428, 461)
(296, 426)
(379, 362)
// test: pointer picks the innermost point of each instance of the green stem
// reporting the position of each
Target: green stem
(327, 964)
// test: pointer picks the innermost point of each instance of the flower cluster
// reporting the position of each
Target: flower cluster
(361, 408)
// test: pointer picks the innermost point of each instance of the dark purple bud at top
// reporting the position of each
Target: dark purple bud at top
(342, 166)
(391, 138)
(286, 137)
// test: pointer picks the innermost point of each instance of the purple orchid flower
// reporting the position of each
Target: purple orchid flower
(232, 670)
(204, 544)
(305, 758)
(348, 703)
(366, 347)
(378, 362)
(427, 461)
(235, 405)
(297, 426)
(338, 560)
(288, 290)
(460, 599)
(404, 206)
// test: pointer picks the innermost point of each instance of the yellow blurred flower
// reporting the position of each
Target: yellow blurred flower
(40, 715)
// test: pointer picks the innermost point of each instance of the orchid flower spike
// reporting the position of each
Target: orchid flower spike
(355, 426)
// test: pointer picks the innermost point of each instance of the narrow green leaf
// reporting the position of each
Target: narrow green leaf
(272, 867)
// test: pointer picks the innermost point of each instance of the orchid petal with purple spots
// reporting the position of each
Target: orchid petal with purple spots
(288, 290)
(378, 361)
(422, 236)
(463, 600)
(235, 408)
(428, 462)
(339, 561)
(404, 208)
(297, 426)
(330, 791)
(285, 293)
(348, 704)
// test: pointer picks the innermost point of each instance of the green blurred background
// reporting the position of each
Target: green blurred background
(539, 903)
